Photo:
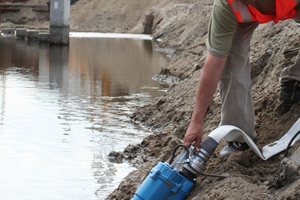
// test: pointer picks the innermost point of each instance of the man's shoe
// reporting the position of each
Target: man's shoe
(289, 93)
(232, 147)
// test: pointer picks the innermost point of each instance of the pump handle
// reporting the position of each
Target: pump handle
(174, 151)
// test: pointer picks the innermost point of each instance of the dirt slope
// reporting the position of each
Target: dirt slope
(249, 176)
(26, 17)
(116, 15)
(185, 27)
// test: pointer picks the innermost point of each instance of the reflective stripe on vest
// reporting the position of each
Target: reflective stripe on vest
(241, 11)
(247, 13)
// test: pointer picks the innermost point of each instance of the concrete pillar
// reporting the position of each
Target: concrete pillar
(59, 21)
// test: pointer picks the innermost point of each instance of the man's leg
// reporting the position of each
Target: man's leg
(235, 85)
(290, 78)
(291, 72)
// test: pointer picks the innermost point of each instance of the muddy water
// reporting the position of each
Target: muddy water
(63, 109)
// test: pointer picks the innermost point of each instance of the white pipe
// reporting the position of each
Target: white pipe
(268, 150)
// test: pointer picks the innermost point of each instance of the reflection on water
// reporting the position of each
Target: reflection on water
(63, 109)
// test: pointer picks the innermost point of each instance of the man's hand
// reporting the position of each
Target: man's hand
(194, 133)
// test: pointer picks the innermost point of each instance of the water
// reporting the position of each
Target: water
(63, 109)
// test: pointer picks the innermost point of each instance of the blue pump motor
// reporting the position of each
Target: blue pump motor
(164, 183)
(168, 181)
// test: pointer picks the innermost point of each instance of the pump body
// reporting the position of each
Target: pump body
(168, 181)
(164, 183)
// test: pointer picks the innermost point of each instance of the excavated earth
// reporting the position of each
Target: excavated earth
(249, 176)
(26, 17)
(274, 46)
(183, 24)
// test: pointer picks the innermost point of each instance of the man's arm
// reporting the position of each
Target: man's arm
(212, 71)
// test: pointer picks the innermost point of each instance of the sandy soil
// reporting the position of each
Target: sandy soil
(26, 17)
(184, 24)
(185, 27)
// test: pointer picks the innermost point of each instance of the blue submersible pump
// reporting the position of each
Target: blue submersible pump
(174, 181)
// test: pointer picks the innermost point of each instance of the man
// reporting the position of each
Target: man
(231, 26)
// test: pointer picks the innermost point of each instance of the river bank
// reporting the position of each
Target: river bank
(185, 27)
(169, 116)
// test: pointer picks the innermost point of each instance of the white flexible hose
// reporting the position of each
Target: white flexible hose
(268, 150)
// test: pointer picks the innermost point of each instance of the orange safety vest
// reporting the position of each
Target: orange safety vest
(247, 13)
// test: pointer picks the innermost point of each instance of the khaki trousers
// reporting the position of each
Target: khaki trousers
(292, 72)
(235, 83)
